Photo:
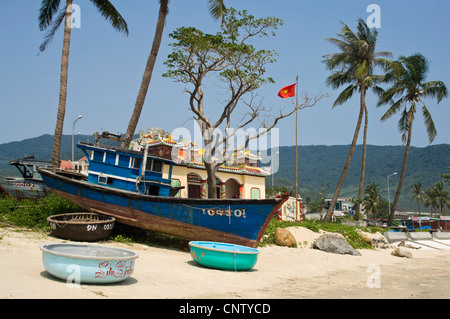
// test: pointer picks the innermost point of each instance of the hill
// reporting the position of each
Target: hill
(322, 165)
(318, 165)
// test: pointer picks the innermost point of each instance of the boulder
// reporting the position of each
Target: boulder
(284, 237)
(335, 243)
(401, 253)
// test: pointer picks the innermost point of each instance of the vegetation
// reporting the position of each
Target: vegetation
(408, 76)
(354, 66)
(318, 169)
(350, 233)
(33, 213)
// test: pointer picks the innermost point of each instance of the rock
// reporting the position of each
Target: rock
(284, 237)
(401, 253)
(335, 243)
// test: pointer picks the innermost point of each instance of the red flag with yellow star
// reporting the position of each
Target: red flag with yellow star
(287, 91)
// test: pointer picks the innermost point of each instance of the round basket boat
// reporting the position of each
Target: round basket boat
(88, 263)
(81, 226)
(223, 255)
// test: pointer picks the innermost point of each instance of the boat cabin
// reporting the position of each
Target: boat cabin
(129, 170)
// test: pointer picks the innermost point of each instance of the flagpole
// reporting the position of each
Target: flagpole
(296, 143)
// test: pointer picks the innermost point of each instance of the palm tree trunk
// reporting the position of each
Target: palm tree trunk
(329, 214)
(402, 174)
(56, 152)
(363, 161)
(163, 10)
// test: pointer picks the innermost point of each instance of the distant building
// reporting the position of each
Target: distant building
(344, 206)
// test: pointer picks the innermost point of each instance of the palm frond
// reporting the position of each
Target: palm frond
(216, 8)
(55, 25)
(345, 95)
(403, 124)
(335, 80)
(109, 12)
(46, 12)
(435, 89)
(392, 110)
(429, 124)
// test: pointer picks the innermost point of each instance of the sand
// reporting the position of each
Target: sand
(280, 273)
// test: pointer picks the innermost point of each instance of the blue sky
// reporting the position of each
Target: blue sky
(106, 67)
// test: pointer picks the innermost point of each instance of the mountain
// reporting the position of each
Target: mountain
(322, 165)
(318, 165)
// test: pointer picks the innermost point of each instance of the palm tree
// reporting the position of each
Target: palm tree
(408, 75)
(49, 9)
(430, 200)
(372, 198)
(354, 66)
(442, 197)
(216, 10)
(418, 194)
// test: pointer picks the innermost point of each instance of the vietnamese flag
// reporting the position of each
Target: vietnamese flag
(287, 91)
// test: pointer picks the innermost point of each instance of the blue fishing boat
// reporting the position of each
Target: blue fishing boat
(223, 255)
(134, 186)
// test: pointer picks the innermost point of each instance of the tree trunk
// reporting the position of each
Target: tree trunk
(163, 10)
(402, 174)
(56, 152)
(211, 179)
(363, 161)
(347, 162)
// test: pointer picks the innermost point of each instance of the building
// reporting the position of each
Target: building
(344, 206)
(240, 179)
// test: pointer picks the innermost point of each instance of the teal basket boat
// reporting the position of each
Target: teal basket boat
(223, 255)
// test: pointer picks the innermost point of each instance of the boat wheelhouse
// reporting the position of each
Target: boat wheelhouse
(128, 170)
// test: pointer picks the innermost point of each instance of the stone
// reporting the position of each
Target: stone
(401, 253)
(335, 243)
(284, 237)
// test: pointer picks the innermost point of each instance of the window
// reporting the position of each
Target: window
(148, 166)
(102, 180)
(137, 162)
(157, 166)
(124, 160)
(255, 193)
(98, 156)
(110, 158)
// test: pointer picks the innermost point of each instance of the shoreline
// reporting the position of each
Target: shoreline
(280, 273)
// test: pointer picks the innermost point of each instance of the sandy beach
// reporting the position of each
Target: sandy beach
(280, 273)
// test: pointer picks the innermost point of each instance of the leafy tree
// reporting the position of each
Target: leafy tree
(408, 76)
(216, 10)
(48, 19)
(241, 69)
(354, 66)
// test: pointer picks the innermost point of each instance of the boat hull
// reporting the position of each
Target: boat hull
(223, 255)
(237, 221)
(24, 188)
(88, 263)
